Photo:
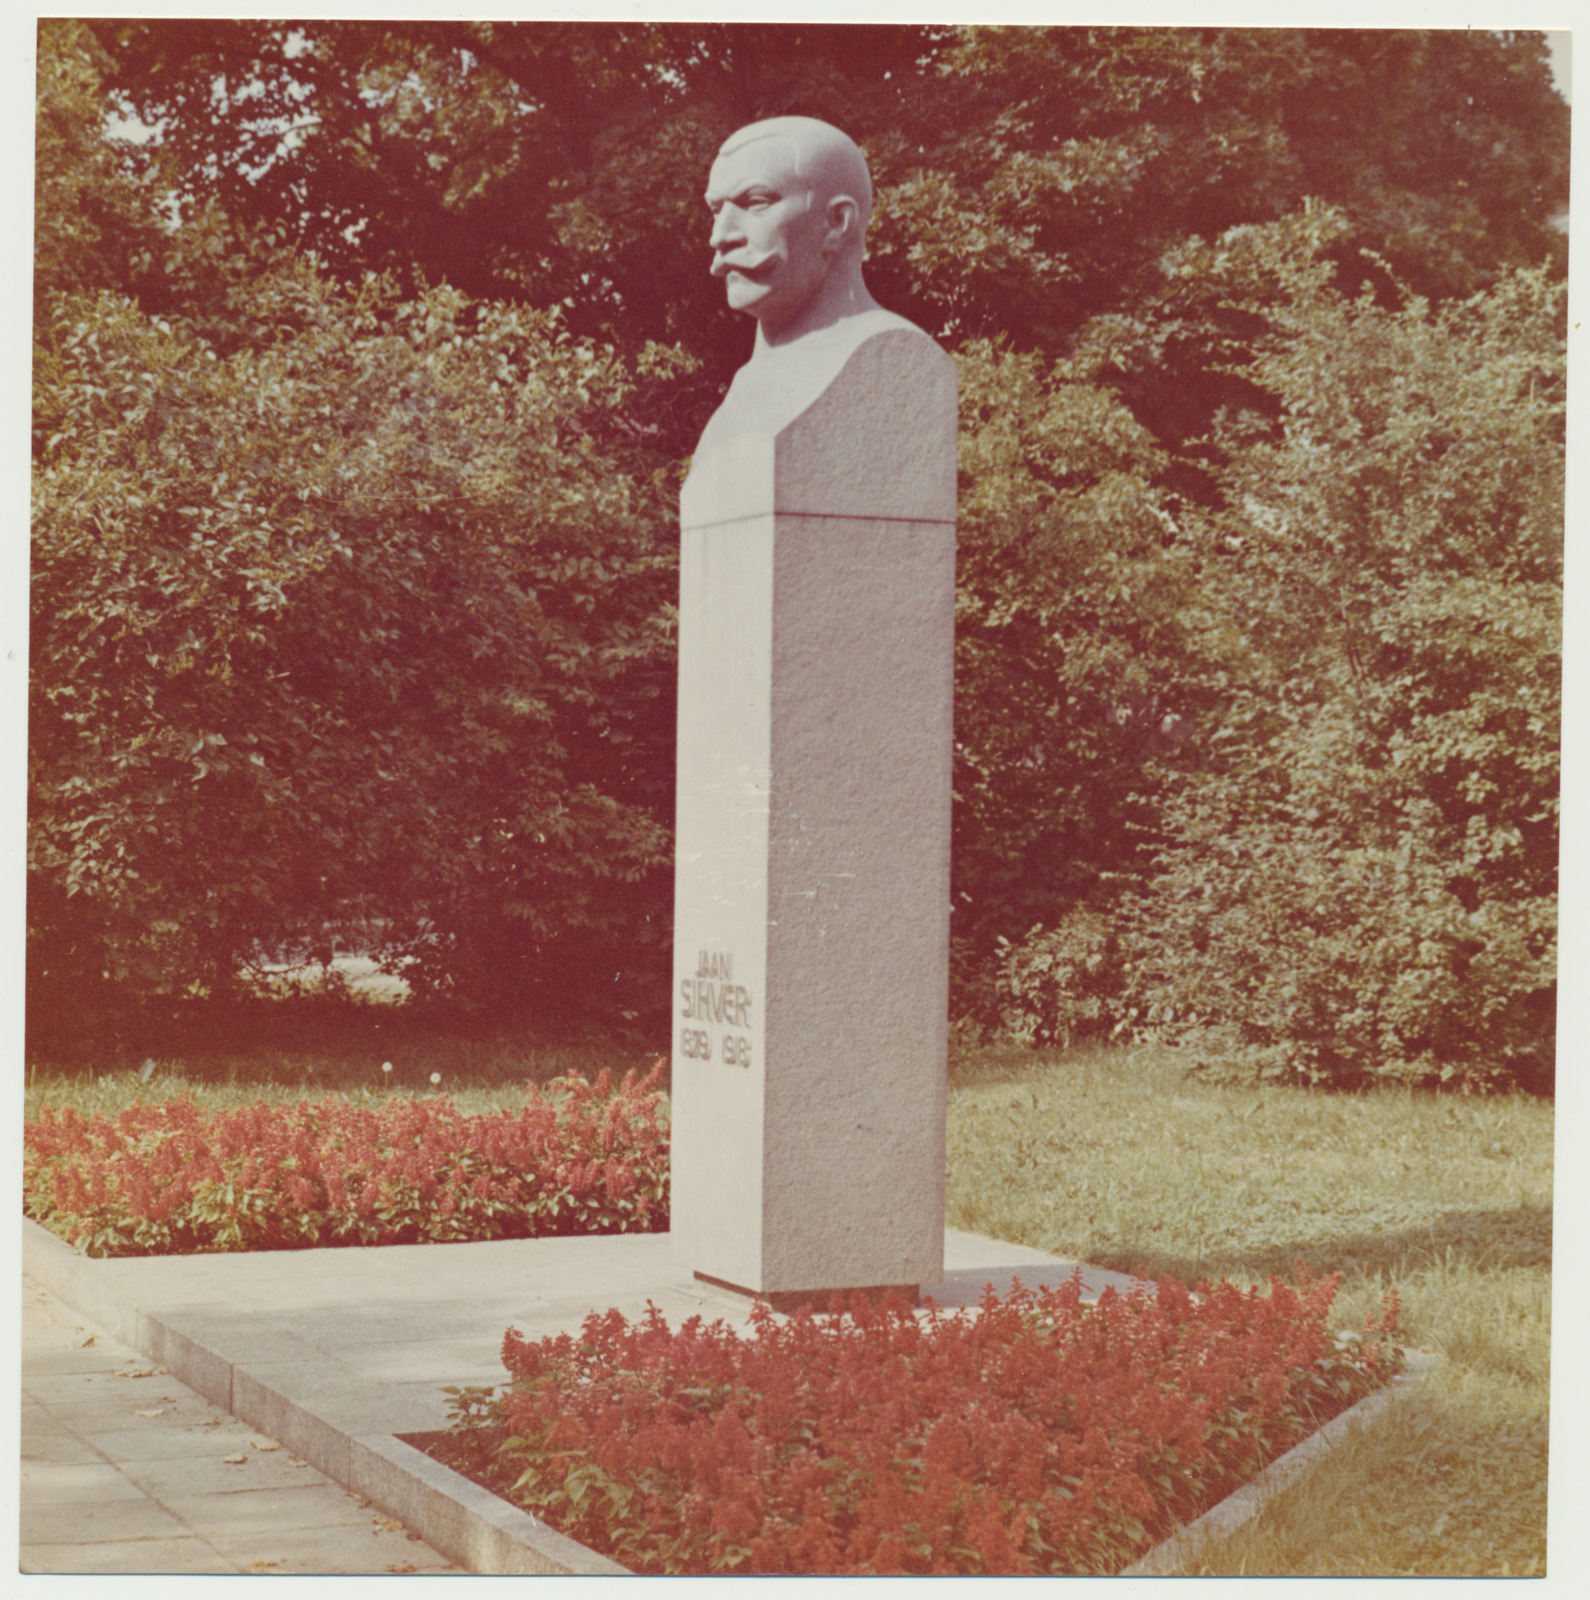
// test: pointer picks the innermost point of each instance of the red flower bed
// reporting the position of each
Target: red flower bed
(170, 1180)
(1035, 1435)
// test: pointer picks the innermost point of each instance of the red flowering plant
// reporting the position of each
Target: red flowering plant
(167, 1179)
(1033, 1435)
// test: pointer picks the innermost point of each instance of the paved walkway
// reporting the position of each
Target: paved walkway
(336, 1360)
(126, 1470)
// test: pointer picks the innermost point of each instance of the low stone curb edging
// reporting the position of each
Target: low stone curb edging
(466, 1523)
(1241, 1506)
(460, 1520)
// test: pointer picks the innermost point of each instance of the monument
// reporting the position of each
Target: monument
(816, 659)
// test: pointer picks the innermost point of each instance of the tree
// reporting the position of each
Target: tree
(1030, 181)
(1363, 884)
(92, 224)
(341, 607)
(1074, 665)
(1088, 216)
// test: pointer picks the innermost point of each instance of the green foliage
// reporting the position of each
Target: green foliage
(352, 592)
(340, 608)
(327, 623)
(1364, 883)
(1073, 594)
(1063, 984)
(1029, 180)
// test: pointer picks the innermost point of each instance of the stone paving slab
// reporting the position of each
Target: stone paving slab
(58, 1448)
(126, 1413)
(160, 1495)
(68, 1482)
(246, 1512)
(122, 1445)
(105, 1521)
(347, 1551)
(81, 1388)
(43, 1362)
(129, 1556)
(164, 1476)
(339, 1354)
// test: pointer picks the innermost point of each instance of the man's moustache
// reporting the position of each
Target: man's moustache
(722, 266)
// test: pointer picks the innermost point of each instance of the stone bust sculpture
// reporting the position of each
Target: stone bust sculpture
(790, 198)
(815, 740)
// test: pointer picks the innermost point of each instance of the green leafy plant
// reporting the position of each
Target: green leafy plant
(1355, 851)
(353, 450)
(341, 612)
(1034, 1435)
(1365, 883)
(579, 1157)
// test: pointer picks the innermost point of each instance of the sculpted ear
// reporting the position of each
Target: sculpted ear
(844, 218)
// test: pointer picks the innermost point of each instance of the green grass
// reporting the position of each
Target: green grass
(477, 1075)
(1117, 1158)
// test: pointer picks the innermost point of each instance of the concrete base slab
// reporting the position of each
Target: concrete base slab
(340, 1353)
(343, 1356)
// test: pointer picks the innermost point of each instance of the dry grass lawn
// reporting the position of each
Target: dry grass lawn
(1115, 1157)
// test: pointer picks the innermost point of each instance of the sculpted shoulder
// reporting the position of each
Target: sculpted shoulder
(779, 383)
(869, 430)
(833, 378)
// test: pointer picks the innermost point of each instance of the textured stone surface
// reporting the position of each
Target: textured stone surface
(102, 1521)
(487, 1533)
(811, 920)
(183, 1554)
(187, 1491)
(344, 1314)
(66, 1483)
(238, 1513)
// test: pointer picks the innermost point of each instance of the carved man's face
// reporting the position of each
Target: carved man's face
(768, 231)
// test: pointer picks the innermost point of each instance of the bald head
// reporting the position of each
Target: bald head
(830, 162)
(790, 198)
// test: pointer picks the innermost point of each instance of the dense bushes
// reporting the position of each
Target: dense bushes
(168, 1180)
(346, 605)
(353, 602)
(1034, 1435)
(1073, 599)
(343, 621)
(1356, 873)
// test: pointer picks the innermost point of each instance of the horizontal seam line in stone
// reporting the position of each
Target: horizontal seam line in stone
(822, 516)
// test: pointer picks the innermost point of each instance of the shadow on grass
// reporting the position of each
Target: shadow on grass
(1484, 1240)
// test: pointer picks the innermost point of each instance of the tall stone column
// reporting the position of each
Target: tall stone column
(812, 897)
